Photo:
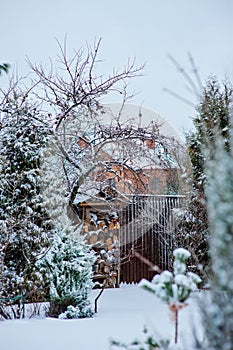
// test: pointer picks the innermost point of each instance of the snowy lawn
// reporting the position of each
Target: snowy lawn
(122, 315)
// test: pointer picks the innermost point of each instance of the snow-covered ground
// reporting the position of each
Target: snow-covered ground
(122, 315)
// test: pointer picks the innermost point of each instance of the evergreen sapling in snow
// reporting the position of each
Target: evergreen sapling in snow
(174, 288)
(68, 264)
(69, 267)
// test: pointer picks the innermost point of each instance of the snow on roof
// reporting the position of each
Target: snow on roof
(81, 198)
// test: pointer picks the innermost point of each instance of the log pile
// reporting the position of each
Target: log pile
(106, 268)
(102, 233)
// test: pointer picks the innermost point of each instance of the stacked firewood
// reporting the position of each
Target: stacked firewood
(106, 268)
(103, 236)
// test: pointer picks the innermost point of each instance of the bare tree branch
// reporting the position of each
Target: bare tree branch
(78, 84)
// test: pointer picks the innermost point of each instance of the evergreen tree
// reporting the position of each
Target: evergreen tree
(24, 223)
(68, 264)
(69, 268)
(212, 159)
(211, 121)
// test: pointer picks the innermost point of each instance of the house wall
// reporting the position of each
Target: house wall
(149, 181)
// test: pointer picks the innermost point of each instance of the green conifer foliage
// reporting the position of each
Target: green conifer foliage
(68, 264)
(25, 228)
(174, 288)
(211, 121)
(69, 268)
(218, 314)
(214, 135)
(211, 125)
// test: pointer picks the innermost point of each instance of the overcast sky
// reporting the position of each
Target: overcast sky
(148, 30)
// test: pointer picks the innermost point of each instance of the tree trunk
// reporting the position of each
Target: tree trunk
(176, 326)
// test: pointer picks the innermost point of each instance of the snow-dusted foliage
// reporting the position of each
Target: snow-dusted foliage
(35, 230)
(174, 288)
(192, 232)
(68, 263)
(69, 268)
(211, 122)
(214, 126)
(218, 316)
(85, 311)
(24, 225)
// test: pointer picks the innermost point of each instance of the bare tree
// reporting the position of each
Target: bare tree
(75, 85)
(88, 145)
(103, 156)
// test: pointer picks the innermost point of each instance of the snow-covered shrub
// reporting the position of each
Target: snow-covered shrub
(69, 269)
(76, 312)
(174, 288)
(71, 312)
(67, 266)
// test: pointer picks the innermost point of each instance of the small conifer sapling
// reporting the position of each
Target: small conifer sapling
(174, 288)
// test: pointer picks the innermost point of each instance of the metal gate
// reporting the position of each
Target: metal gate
(146, 226)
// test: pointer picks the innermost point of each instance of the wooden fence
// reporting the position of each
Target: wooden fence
(139, 223)
(146, 226)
